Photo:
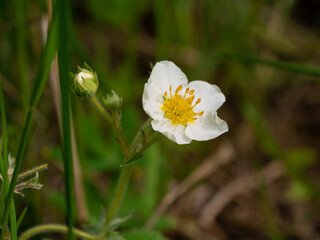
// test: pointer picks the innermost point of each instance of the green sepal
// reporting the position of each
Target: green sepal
(112, 101)
(116, 222)
(85, 87)
(86, 66)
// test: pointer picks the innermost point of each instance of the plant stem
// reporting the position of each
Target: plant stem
(102, 110)
(121, 139)
(125, 171)
(141, 142)
(55, 228)
(139, 135)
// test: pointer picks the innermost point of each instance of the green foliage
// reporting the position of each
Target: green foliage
(257, 51)
(299, 162)
(117, 12)
(57, 200)
(98, 152)
(164, 224)
(116, 222)
(40, 80)
(256, 119)
(143, 235)
(153, 161)
(299, 191)
(115, 236)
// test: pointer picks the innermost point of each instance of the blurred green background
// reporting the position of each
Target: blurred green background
(263, 54)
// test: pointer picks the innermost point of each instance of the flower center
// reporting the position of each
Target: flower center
(178, 108)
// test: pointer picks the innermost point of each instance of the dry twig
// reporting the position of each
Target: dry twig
(236, 187)
(223, 156)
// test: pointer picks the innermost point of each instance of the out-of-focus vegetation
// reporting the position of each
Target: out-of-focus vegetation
(264, 55)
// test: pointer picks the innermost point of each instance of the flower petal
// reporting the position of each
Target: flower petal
(207, 127)
(175, 133)
(211, 96)
(166, 73)
(152, 101)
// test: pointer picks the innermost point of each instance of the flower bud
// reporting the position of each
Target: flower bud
(85, 82)
(112, 100)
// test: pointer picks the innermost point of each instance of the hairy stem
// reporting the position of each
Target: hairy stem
(141, 142)
(121, 139)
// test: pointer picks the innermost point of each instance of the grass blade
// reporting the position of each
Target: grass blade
(40, 81)
(4, 164)
(63, 58)
(4, 168)
(20, 35)
(13, 222)
(294, 67)
(21, 217)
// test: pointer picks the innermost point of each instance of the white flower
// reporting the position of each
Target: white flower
(180, 110)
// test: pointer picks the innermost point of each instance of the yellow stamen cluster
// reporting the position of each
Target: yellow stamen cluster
(179, 109)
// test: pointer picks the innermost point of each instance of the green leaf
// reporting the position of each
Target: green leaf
(116, 222)
(131, 161)
(143, 235)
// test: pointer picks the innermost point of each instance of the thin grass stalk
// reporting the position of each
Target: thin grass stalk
(63, 59)
(13, 221)
(40, 81)
(293, 67)
(21, 217)
(4, 148)
(5, 187)
(22, 146)
(1, 162)
(20, 36)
